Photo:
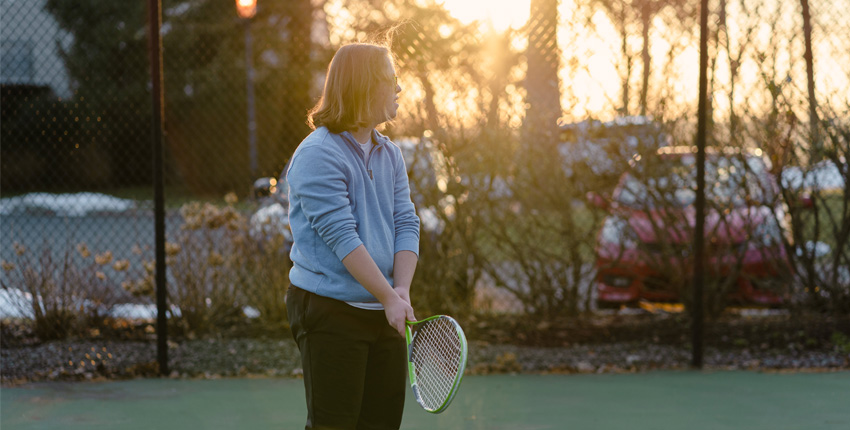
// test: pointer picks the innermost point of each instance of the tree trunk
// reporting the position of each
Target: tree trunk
(542, 85)
(432, 117)
(646, 22)
(810, 80)
(300, 78)
(624, 35)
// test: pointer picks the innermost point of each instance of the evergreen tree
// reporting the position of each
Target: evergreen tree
(205, 87)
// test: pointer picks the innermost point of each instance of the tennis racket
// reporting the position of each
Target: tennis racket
(436, 355)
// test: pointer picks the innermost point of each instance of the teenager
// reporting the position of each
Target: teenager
(355, 248)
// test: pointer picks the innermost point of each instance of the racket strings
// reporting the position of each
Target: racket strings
(436, 354)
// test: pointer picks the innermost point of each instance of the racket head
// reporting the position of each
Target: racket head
(436, 356)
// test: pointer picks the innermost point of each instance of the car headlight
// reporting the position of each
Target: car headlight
(618, 232)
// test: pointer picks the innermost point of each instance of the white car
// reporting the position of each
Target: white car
(273, 215)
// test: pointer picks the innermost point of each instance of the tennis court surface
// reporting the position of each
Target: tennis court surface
(658, 400)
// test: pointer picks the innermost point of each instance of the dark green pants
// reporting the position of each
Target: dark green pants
(355, 364)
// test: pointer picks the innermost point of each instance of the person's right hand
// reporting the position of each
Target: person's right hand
(398, 312)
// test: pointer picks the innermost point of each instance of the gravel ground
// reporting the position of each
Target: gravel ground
(635, 357)
(93, 360)
(605, 343)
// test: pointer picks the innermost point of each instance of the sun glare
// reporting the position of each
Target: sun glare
(501, 14)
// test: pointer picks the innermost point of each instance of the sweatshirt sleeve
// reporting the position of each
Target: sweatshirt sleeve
(404, 212)
(319, 180)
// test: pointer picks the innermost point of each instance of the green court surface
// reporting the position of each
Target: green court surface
(658, 400)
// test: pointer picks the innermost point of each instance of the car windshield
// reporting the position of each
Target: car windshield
(671, 182)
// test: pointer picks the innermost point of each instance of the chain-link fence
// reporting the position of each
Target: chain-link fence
(551, 159)
(76, 170)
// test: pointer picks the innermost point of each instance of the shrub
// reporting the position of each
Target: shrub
(65, 298)
(218, 268)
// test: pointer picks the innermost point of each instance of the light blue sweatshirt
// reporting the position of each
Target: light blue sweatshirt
(337, 202)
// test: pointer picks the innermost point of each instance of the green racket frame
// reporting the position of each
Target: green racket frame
(412, 368)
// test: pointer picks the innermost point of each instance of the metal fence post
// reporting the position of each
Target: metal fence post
(698, 318)
(155, 49)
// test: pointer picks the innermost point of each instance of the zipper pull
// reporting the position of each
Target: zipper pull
(370, 174)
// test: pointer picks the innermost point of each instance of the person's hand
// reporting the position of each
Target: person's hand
(404, 293)
(398, 312)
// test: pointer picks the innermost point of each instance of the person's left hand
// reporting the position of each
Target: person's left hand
(404, 293)
(398, 311)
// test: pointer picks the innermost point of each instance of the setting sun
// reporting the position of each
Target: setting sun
(502, 14)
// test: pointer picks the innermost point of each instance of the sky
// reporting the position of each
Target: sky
(595, 87)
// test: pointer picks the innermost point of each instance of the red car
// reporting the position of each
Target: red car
(645, 247)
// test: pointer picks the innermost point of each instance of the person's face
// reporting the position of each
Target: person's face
(387, 98)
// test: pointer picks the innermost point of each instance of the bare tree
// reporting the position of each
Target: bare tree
(626, 15)
(810, 75)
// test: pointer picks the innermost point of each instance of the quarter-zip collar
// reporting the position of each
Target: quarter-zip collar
(378, 140)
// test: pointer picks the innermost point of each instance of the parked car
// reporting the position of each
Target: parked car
(822, 176)
(645, 247)
(272, 216)
(425, 170)
(603, 149)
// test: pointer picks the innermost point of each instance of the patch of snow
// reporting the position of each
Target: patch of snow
(251, 312)
(69, 205)
(15, 303)
(11, 301)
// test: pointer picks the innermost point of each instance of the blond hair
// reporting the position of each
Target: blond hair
(351, 84)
